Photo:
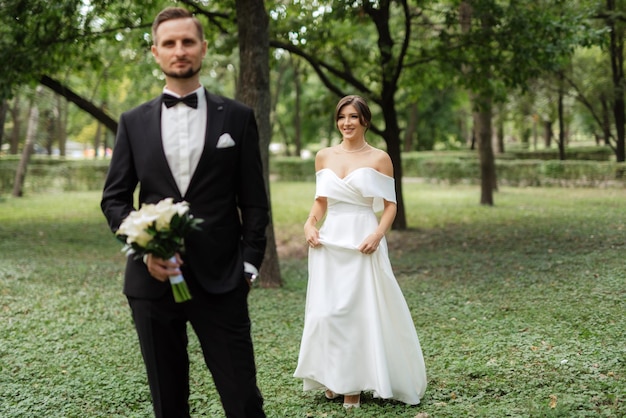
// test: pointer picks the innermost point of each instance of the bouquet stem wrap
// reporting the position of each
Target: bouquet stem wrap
(179, 287)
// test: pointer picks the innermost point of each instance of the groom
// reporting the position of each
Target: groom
(203, 150)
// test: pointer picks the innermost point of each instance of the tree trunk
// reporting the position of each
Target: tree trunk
(391, 134)
(33, 121)
(606, 120)
(97, 141)
(547, 139)
(4, 108)
(561, 124)
(285, 135)
(14, 140)
(48, 122)
(535, 135)
(411, 127)
(482, 122)
(253, 89)
(617, 69)
(465, 129)
(500, 134)
(297, 116)
(61, 123)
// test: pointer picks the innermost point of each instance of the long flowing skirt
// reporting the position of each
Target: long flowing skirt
(358, 333)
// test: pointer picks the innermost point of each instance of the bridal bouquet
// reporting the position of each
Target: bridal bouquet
(159, 229)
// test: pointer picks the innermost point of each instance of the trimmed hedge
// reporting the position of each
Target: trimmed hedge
(54, 175)
(292, 169)
(49, 174)
(457, 167)
(572, 153)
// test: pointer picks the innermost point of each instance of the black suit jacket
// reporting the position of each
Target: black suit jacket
(227, 191)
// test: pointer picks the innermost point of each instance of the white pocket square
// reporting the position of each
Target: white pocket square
(225, 141)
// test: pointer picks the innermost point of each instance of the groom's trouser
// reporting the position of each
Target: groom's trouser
(222, 325)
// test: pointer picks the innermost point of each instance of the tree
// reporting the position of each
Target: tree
(300, 104)
(40, 38)
(347, 64)
(33, 122)
(508, 45)
(67, 28)
(482, 104)
(615, 21)
(253, 88)
(591, 87)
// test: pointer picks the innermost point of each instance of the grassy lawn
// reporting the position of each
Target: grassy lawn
(519, 308)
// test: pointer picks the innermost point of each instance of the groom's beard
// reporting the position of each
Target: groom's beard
(187, 74)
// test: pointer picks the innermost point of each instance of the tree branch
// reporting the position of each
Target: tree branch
(583, 100)
(321, 67)
(405, 42)
(211, 16)
(81, 102)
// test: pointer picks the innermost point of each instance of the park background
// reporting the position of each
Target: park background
(505, 122)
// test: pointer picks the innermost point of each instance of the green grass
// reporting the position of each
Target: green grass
(519, 308)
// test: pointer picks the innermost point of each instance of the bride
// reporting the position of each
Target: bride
(358, 331)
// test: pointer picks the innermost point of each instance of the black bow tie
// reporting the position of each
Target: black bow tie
(190, 100)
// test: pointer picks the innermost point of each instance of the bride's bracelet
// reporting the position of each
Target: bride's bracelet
(312, 216)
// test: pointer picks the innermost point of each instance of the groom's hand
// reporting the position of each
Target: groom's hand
(162, 269)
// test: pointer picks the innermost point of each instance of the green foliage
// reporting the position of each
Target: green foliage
(519, 308)
(293, 169)
(100, 49)
(29, 31)
(48, 175)
(439, 118)
(40, 37)
(510, 43)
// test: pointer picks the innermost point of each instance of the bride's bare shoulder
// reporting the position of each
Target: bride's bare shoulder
(323, 152)
(322, 157)
(326, 153)
(382, 162)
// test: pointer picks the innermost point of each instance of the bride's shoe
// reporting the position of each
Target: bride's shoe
(349, 401)
(330, 394)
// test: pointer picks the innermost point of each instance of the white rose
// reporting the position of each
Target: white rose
(166, 209)
(135, 226)
(141, 238)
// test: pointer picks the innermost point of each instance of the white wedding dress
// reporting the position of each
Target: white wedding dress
(358, 332)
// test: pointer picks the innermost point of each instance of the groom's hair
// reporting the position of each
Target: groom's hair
(170, 13)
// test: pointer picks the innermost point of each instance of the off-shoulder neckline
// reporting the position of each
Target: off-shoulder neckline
(353, 171)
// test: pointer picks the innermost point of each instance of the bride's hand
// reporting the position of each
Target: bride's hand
(370, 243)
(311, 235)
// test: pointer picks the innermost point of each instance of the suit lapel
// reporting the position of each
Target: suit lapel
(215, 120)
(215, 124)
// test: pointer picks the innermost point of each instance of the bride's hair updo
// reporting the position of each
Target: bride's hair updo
(365, 114)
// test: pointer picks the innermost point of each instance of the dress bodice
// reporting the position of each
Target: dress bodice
(364, 186)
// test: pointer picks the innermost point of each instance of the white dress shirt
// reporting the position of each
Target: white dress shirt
(183, 130)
